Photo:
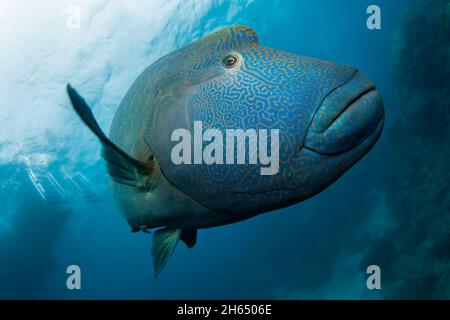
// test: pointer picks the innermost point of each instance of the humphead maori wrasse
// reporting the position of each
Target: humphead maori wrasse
(329, 116)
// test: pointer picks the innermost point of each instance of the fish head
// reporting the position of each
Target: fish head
(326, 115)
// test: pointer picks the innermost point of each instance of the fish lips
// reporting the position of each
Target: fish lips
(348, 116)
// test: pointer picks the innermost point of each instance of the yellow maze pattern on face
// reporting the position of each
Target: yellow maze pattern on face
(266, 89)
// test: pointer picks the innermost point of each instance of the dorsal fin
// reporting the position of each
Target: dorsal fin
(121, 166)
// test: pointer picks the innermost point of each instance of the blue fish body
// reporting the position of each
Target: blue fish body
(327, 115)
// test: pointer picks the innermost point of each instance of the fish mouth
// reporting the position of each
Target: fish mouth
(348, 116)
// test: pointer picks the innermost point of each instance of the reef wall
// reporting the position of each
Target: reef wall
(415, 249)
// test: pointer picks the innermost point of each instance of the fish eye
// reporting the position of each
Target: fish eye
(229, 61)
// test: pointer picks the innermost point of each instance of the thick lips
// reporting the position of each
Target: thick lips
(348, 116)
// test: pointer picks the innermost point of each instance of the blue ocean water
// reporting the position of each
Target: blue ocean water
(317, 249)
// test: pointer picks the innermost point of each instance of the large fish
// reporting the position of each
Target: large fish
(329, 116)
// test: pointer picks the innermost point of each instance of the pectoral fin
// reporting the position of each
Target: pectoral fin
(121, 166)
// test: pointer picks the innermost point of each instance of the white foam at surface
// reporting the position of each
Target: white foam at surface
(117, 40)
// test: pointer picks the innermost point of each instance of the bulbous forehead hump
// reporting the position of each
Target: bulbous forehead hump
(230, 38)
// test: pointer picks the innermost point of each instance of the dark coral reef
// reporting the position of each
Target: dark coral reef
(416, 249)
